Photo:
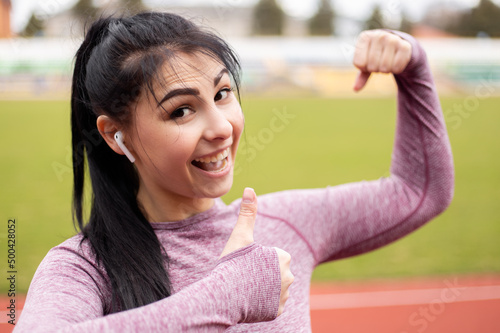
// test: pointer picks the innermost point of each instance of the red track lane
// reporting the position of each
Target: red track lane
(454, 304)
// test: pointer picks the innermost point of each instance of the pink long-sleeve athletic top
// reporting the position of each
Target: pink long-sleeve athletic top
(240, 292)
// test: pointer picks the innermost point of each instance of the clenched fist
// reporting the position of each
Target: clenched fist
(379, 51)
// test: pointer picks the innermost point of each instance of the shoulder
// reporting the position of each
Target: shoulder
(290, 203)
(71, 263)
(68, 275)
(74, 246)
(74, 254)
(293, 201)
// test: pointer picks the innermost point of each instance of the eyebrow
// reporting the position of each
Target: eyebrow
(191, 91)
(220, 75)
(179, 92)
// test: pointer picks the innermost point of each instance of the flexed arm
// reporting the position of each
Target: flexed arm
(422, 176)
(354, 218)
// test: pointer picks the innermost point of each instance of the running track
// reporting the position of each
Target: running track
(454, 304)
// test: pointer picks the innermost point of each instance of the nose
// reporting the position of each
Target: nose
(218, 126)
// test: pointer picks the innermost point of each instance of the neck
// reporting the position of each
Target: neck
(163, 208)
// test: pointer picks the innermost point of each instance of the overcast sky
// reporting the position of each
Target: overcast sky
(359, 9)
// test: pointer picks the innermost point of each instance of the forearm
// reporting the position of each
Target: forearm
(422, 155)
(194, 309)
(244, 286)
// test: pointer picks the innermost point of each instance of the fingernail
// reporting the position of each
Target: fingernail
(248, 195)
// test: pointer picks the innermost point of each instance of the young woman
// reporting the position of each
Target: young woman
(160, 251)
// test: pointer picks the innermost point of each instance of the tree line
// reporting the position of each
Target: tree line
(482, 20)
(269, 19)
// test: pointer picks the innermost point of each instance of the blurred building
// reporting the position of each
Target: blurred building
(233, 21)
(5, 7)
(442, 15)
(63, 25)
(228, 21)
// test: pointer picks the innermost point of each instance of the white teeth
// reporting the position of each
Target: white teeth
(215, 158)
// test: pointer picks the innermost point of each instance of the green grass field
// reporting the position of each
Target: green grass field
(323, 142)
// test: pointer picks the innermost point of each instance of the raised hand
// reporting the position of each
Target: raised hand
(379, 51)
(242, 236)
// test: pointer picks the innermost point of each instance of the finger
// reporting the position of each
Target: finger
(361, 80)
(361, 50)
(387, 58)
(242, 234)
(375, 52)
(248, 207)
(402, 57)
(285, 259)
(286, 277)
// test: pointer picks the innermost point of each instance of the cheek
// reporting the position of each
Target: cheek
(238, 123)
(174, 150)
(163, 147)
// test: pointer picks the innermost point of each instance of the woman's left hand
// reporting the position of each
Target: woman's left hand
(379, 51)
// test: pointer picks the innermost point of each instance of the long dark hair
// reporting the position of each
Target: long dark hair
(118, 60)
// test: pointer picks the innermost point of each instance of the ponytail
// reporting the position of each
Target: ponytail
(82, 116)
(121, 238)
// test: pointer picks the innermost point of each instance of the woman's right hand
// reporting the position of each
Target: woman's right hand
(242, 236)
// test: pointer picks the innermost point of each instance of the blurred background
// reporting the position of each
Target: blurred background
(296, 57)
(298, 47)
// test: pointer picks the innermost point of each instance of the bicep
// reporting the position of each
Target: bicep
(367, 215)
(348, 219)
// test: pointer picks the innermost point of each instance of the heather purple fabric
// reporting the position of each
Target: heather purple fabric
(240, 292)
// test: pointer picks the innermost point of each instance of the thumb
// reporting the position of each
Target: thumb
(242, 234)
(361, 80)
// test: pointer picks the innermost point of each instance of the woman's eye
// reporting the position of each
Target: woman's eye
(221, 94)
(180, 113)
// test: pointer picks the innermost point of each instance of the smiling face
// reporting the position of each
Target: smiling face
(185, 138)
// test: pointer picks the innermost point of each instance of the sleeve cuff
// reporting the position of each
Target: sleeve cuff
(253, 273)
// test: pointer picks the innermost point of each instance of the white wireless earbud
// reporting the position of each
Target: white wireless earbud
(119, 141)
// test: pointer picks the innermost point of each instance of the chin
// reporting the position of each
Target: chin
(214, 189)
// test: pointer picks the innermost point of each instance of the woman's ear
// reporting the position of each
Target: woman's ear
(108, 128)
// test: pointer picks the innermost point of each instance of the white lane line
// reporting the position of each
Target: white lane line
(403, 297)
(370, 299)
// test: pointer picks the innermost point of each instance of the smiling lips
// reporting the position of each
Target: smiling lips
(215, 163)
